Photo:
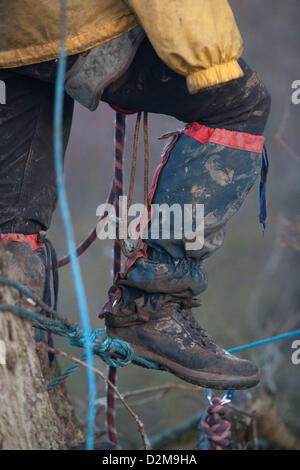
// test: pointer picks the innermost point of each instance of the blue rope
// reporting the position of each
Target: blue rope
(115, 352)
(263, 342)
(229, 395)
(66, 217)
(102, 344)
(59, 380)
(62, 327)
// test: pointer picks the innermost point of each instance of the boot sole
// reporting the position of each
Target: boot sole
(196, 377)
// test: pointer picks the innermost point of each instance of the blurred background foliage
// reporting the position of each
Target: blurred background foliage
(253, 280)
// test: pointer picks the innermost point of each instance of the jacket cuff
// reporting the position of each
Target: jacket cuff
(216, 75)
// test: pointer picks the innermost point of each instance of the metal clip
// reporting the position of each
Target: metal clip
(227, 398)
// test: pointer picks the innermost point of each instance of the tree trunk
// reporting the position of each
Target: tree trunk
(30, 417)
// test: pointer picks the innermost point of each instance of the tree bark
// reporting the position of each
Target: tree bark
(30, 417)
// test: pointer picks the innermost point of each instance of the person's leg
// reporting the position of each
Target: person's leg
(27, 175)
(149, 85)
(214, 162)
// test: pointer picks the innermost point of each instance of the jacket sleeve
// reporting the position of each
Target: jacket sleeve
(196, 38)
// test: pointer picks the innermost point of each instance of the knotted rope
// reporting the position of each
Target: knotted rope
(117, 353)
(216, 425)
(114, 352)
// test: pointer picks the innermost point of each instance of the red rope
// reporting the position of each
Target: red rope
(118, 191)
(119, 141)
(115, 192)
(217, 426)
(110, 406)
(84, 245)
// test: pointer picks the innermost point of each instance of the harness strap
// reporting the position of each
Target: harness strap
(133, 252)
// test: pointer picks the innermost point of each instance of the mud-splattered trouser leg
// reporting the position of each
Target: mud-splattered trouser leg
(209, 173)
(214, 162)
(28, 193)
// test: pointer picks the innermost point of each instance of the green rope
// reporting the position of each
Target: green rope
(114, 352)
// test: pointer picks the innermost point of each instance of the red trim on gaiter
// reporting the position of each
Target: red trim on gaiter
(32, 240)
(233, 139)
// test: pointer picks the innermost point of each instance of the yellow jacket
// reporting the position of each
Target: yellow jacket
(196, 38)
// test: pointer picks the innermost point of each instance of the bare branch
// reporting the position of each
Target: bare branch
(43, 346)
(279, 136)
(165, 388)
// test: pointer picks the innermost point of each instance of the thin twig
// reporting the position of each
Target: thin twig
(254, 431)
(238, 410)
(295, 246)
(279, 135)
(293, 227)
(282, 143)
(285, 117)
(166, 388)
(108, 382)
(101, 401)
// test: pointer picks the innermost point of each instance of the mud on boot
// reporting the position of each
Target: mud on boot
(174, 340)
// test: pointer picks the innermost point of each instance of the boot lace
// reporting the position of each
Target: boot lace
(196, 328)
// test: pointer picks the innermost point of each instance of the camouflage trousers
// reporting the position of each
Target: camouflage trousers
(213, 167)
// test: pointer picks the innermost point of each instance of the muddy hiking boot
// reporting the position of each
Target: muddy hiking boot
(172, 339)
(31, 258)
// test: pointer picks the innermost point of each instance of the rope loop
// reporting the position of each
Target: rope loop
(114, 352)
